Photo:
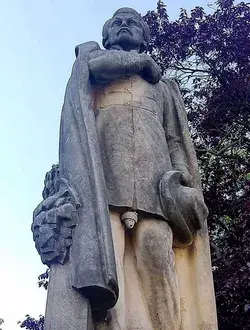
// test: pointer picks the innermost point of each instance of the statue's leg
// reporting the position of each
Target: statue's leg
(118, 313)
(130, 311)
(152, 241)
(137, 314)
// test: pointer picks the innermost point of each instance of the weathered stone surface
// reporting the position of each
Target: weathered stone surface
(54, 219)
(92, 256)
(125, 155)
(183, 207)
(149, 294)
(66, 309)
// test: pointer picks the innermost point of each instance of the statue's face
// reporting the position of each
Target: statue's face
(126, 31)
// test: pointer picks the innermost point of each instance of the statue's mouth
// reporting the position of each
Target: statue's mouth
(126, 30)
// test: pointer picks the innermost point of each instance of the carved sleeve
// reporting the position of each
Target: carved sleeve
(109, 65)
(173, 133)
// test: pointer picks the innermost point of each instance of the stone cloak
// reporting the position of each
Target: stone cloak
(92, 260)
(193, 263)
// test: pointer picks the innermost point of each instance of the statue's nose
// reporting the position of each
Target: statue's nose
(124, 23)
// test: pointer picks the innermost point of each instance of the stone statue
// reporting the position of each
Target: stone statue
(122, 224)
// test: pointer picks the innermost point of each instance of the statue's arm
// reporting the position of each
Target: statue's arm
(173, 135)
(109, 65)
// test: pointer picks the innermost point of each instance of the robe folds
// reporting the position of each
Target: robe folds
(92, 253)
(93, 271)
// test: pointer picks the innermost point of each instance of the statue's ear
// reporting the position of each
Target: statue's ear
(143, 47)
(106, 44)
(105, 35)
(77, 50)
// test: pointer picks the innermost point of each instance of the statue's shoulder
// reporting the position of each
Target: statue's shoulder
(86, 47)
(170, 82)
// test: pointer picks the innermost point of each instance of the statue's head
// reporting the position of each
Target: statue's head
(126, 30)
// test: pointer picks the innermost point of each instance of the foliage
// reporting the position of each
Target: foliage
(32, 324)
(1, 322)
(43, 279)
(208, 54)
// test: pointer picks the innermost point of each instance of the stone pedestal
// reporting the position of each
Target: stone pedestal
(65, 308)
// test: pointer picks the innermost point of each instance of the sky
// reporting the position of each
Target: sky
(37, 52)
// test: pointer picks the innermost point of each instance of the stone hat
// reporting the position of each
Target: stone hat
(183, 207)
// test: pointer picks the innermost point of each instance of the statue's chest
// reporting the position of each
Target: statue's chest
(130, 91)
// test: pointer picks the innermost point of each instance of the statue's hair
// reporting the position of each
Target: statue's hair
(125, 10)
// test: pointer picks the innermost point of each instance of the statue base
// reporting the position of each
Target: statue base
(65, 309)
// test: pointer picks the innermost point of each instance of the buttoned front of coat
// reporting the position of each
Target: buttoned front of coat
(132, 125)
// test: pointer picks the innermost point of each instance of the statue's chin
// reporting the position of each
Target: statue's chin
(125, 41)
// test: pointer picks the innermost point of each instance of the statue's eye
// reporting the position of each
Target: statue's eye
(132, 22)
(116, 23)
